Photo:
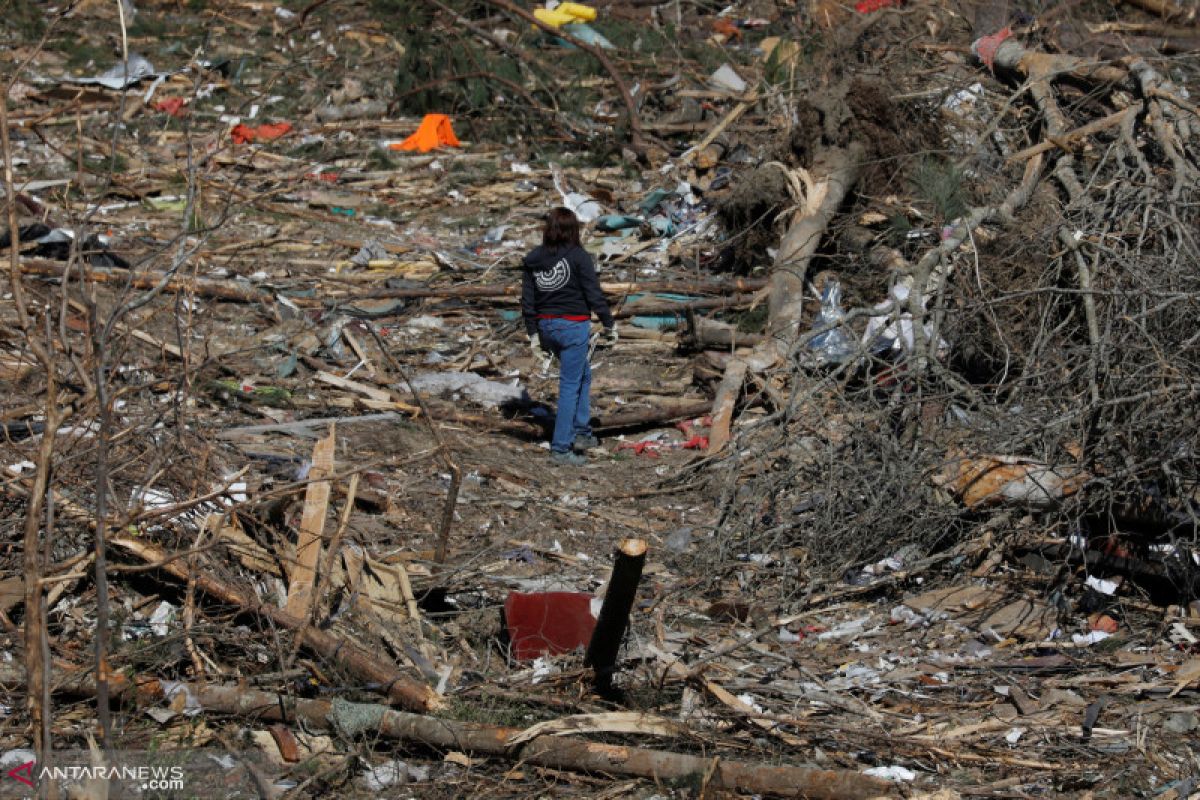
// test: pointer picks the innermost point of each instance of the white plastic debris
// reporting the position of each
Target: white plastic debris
(846, 629)
(889, 331)
(160, 620)
(749, 701)
(787, 637)
(426, 323)
(910, 618)
(172, 689)
(394, 772)
(895, 774)
(583, 206)
(1014, 735)
(964, 100)
(726, 78)
(472, 386)
(1088, 639)
(151, 499)
(542, 669)
(1101, 585)
(122, 76)
(1181, 635)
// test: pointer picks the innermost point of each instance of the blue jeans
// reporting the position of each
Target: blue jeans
(569, 341)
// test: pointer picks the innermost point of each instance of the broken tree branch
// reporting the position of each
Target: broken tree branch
(578, 755)
(366, 666)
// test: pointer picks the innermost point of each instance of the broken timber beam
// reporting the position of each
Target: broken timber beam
(312, 526)
(722, 410)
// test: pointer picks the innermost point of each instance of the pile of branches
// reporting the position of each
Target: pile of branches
(1044, 372)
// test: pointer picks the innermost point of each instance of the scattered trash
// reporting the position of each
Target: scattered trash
(1102, 586)
(244, 134)
(869, 6)
(435, 131)
(472, 386)
(994, 480)
(172, 106)
(1087, 639)
(832, 346)
(393, 773)
(548, 623)
(896, 774)
(584, 207)
(135, 70)
(727, 79)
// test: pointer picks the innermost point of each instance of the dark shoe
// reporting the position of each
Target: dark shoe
(568, 459)
(585, 441)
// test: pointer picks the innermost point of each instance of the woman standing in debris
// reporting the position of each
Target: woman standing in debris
(559, 293)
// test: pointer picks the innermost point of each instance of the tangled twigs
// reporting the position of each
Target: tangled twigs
(637, 134)
(1094, 335)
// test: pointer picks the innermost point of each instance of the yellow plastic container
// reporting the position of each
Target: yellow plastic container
(579, 11)
(553, 17)
(565, 14)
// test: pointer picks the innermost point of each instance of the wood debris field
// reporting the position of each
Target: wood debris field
(898, 480)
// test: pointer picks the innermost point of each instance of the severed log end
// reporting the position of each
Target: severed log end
(633, 547)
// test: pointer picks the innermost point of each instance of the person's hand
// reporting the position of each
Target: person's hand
(610, 336)
(535, 346)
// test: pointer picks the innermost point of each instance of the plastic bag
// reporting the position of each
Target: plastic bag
(833, 346)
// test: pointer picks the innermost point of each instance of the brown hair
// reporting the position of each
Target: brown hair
(562, 228)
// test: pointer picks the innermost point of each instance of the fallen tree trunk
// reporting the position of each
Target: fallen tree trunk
(641, 309)
(223, 290)
(513, 289)
(833, 174)
(551, 751)
(366, 666)
(707, 333)
(609, 423)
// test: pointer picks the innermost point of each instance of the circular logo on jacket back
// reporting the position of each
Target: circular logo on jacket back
(554, 278)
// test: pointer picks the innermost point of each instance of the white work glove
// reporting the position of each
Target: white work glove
(541, 356)
(609, 337)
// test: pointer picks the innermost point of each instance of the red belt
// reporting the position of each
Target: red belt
(570, 317)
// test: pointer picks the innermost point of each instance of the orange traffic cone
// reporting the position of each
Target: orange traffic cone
(435, 131)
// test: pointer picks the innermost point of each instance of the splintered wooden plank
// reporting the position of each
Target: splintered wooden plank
(723, 405)
(312, 526)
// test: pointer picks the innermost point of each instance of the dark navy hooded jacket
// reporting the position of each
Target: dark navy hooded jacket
(561, 282)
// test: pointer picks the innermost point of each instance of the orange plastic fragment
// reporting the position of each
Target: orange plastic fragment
(727, 29)
(172, 106)
(992, 480)
(243, 134)
(435, 131)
